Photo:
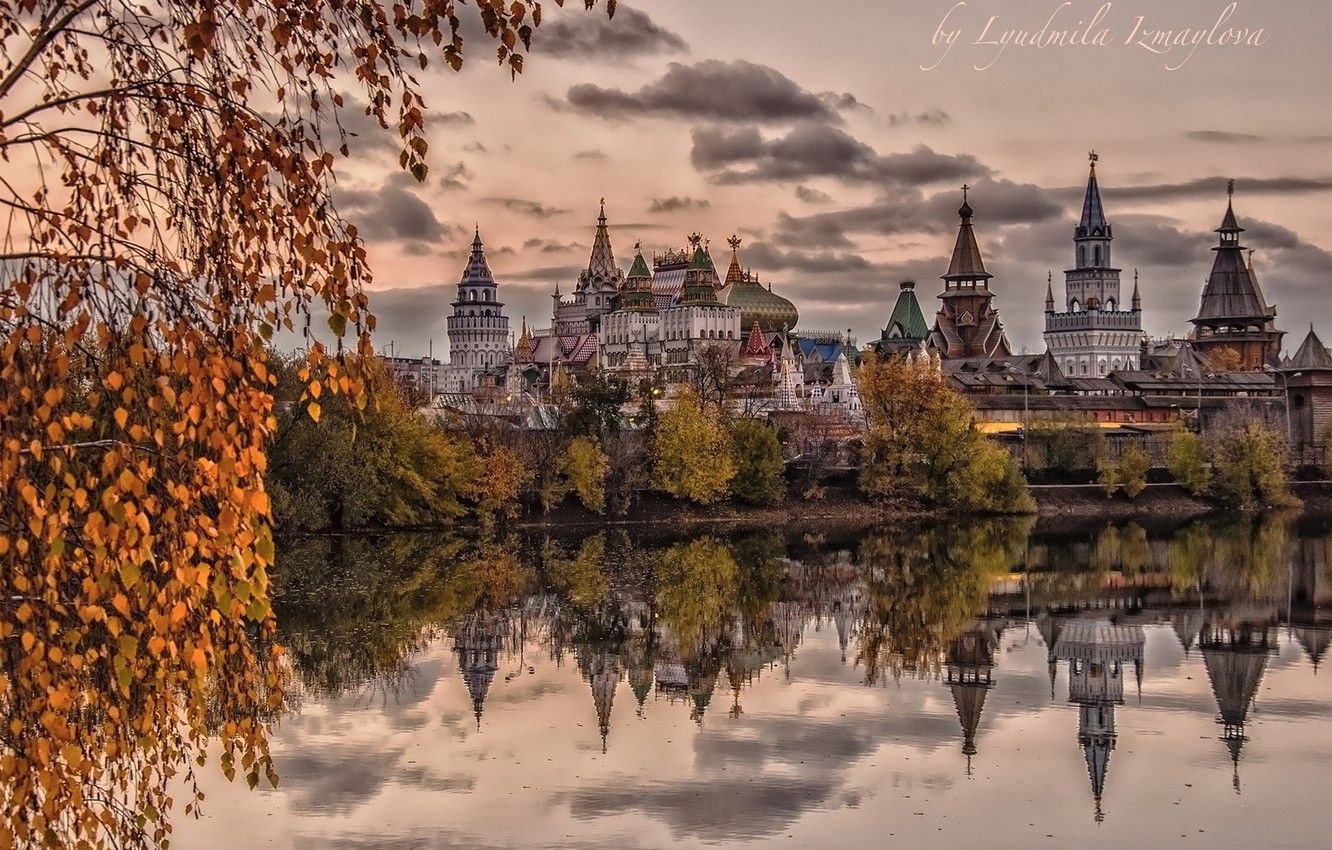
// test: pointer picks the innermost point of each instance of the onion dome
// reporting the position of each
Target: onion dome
(758, 305)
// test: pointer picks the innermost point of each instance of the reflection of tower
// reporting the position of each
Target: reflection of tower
(477, 643)
(1096, 652)
(789, 620)
(970, 661)
(1050, 626)
(1236, 657)
(1187, 623)
(603, 671)
(1315, 640)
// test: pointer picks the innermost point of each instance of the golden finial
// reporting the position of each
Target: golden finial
(1093, 157)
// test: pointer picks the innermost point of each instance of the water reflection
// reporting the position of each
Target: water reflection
(739, 687)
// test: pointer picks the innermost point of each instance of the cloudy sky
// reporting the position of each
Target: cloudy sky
(834, 138)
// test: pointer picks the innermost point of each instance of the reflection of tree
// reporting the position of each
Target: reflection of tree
(696, 588)
(924, 589)
(352, 609)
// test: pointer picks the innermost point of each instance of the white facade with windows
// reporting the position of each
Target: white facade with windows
(478, 329)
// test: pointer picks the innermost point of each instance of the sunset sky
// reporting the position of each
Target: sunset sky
(812, 131)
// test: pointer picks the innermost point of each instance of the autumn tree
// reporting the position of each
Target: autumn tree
(385, 466)
(691, 451)
(760, 472)
(1134, 464)
(1250, 467)
(1187, 462)
(586, 466)
(169, 175)
(922, 443)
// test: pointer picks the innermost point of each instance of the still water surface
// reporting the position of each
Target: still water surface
(953, 686)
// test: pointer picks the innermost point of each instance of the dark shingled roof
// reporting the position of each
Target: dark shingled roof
(1231, 292)
(966, 263)
(1312, 354)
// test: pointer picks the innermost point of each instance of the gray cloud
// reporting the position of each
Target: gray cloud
(843, 100)
(522, 206)
(454, 119)
(1212, 187)
(821, 150)
(1222, 137)
(455, 177)
(597, 38)
(475, 147)
(593, 155)
(712, 89)
(392, 212)
(550, 246)
(675, 203)
(934, 117)
(812, 196)
(765, 256)
(996, 202)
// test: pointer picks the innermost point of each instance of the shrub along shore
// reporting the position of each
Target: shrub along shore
(384, 465)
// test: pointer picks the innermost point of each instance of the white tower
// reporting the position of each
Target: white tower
(1094, 335)
(478, 328)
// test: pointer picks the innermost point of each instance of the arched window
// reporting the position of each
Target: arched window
(1110, 304)
(1075, 306)
(1097, 252)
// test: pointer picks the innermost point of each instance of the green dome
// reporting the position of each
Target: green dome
(757, 304)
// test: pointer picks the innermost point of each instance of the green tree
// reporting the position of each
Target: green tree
(1069, 446)
(1187, 462)
(586, 466)
(922, 443)
(1250, 461)
(1134, 464)
(1107, 475)
(383, 466)
(759, 477)
(692, 452)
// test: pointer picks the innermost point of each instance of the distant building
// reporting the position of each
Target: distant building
(424, 372)
(1234, 320)
(478, 329)
(967, 324)
(1093, 335)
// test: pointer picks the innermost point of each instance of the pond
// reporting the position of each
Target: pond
(937, 686)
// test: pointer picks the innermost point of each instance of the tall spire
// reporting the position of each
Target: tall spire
(1137, 299)
(1093, 221)
(601, 265)
(1049, 292)
(966, 264)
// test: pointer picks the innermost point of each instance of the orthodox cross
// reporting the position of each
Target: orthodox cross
(965, 187)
